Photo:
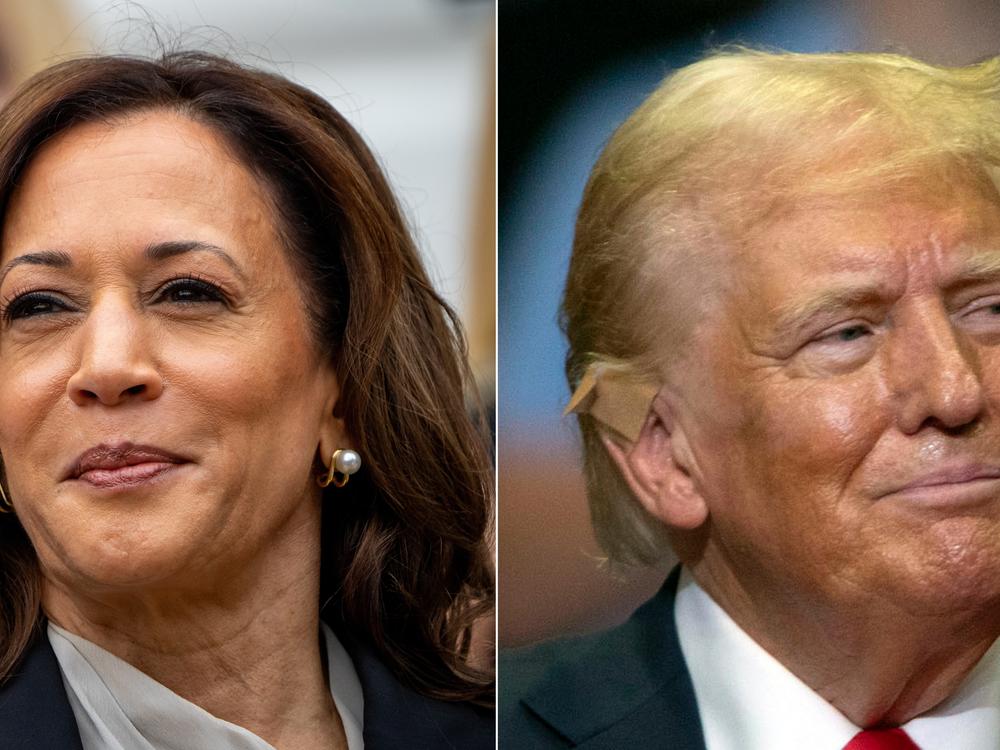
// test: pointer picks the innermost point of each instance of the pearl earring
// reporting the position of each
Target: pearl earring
(342, 463)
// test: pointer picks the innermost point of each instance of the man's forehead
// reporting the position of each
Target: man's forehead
(818, 257)
(859, 231)
(820, 252)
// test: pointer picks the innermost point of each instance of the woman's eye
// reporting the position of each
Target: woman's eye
(190, 291)
(32, 305)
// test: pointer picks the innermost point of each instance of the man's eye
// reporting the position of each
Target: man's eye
(846, 334)
(852, 333)
(32, 305)
(190, 291)
(982, 316)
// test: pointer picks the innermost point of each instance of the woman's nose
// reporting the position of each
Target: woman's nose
(937, 375)
(114, 358)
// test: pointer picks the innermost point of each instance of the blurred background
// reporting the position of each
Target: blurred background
(570, 71)
(416, 77)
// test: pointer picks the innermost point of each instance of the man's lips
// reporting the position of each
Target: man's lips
(113, 464)
(950, 479)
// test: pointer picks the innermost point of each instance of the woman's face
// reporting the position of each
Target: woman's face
(162, 399)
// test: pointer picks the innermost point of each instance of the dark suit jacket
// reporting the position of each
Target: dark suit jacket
(624, 689)
(35, 713)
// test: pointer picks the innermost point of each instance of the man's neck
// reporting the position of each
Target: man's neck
(877, 663)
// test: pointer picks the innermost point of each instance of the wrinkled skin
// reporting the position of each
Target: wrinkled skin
(827, 416)
(834, 444)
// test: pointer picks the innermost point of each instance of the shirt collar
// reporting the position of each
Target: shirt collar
(748, 700)
(345, 687)
(118, 706)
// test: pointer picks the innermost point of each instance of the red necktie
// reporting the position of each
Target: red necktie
(881, 739)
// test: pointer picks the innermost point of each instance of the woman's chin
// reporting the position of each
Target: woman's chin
(126, 559)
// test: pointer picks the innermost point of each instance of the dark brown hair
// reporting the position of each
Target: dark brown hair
(405, 559)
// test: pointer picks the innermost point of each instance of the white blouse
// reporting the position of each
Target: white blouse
(117, 707)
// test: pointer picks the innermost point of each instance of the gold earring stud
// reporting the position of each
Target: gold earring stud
(343, 463)
(6, 506)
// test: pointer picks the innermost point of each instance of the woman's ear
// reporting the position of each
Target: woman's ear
(332, 431)
(656, 467)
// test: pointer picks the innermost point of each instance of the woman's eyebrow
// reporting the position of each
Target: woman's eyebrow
(156, 252)
(54, 258)
(164, 250)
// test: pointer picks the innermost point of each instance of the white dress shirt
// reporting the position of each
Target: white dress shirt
(749, 701)
(117, 707)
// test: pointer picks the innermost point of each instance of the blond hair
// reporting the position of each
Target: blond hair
(718, 146)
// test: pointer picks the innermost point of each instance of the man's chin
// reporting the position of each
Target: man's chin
(957, 584)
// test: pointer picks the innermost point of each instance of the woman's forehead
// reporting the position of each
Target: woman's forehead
(135, 181)
(157, 142)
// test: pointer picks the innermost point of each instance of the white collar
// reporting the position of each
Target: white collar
(118, 707)
(748, 700)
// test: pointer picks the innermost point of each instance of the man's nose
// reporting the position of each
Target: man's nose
(114, 363)
(935, 372)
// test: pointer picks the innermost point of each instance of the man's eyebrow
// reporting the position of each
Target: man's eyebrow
(796, 315)
(172, 248)
(51, 258)
(792, 317)
(983, 266)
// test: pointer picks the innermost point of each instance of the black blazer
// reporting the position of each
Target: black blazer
(626, 688)
(35, 713)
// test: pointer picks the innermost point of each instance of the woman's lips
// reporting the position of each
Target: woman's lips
(126, 476)
(122, 464)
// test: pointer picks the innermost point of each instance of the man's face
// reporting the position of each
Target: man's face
(846, 427)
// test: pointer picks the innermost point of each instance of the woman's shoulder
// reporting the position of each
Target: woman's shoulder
(34, 708)
(396, 716)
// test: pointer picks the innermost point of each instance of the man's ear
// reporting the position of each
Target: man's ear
(656, 468)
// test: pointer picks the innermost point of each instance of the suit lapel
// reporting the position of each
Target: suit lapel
(34, 710)
(396, 716)
(628, 687)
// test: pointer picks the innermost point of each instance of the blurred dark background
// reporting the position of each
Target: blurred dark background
(548, 47)
(569, 73)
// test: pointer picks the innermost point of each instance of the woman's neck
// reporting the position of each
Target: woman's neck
(242, 644)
